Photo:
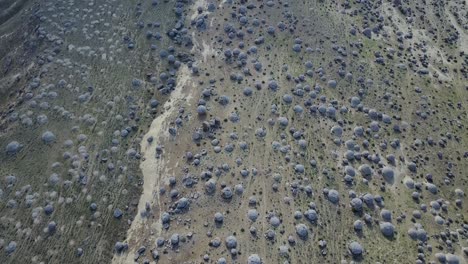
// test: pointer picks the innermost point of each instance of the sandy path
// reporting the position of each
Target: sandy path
(153, 169)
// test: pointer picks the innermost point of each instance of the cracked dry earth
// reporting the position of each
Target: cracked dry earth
(177, 131)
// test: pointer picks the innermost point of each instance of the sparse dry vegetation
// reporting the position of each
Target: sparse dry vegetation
(179, 131)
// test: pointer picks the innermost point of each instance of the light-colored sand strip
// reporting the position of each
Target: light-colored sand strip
(153, 169)
(6, 35)
(199, 3)
(205, 50)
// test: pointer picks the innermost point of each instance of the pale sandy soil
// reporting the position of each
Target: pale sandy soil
(153, 168)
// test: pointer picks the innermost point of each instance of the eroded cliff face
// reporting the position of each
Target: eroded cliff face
(233, 132)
